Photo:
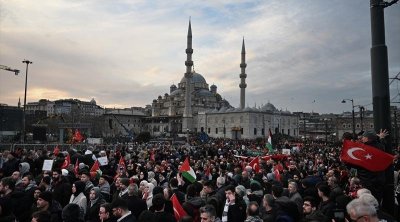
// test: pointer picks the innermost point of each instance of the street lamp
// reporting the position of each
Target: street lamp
(24, 113)
(352, 115)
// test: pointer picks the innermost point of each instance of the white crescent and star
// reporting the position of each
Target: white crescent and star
(351, 155)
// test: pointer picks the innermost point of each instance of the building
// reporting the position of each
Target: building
(123, 122)
(77, 107)
(193, 107)
(41, 105)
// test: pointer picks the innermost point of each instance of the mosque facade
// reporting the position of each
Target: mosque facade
(193, 106)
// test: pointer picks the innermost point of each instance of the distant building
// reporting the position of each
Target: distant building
(77, 107)
(123, 122)
(41, 105)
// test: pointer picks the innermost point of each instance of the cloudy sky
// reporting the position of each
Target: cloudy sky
(125, 53)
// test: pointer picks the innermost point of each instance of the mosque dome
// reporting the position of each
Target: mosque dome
(196, 78)
(269, 107)
(203, 93)
(176, 92)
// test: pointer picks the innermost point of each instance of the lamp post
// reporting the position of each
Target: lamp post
(352, 115)
(24, 113)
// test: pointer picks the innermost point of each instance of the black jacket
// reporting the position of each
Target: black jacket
(130, 218)
(136, 205)
(62, 191)
(237, 212)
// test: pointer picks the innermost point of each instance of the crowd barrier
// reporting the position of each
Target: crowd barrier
(62, 147)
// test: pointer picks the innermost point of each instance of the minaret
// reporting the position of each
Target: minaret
(243, 76)
(187, 112)
(19, 102)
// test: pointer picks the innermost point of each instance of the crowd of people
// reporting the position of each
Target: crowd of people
(145, 182)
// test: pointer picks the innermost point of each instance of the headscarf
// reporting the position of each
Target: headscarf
(80, 187)
(97, 195)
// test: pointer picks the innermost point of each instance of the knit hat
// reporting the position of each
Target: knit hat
(46, 196)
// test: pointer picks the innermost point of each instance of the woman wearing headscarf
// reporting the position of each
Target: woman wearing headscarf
(95, 200)
(148, 194)
(78, 197)
(142, 185)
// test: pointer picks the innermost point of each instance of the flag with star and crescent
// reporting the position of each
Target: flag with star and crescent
(365, 156)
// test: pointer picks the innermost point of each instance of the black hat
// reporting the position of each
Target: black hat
(46, 196)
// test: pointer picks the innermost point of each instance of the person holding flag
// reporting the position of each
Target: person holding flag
(370, 160)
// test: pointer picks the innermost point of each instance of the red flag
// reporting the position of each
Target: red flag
(277, 174)
(66, 163)
(94, 169)
(77, 136)
(76, 167)
(179, 212)
(56, 151)
(255, 165)
(365, 156)
(121, 163)
(207, 173)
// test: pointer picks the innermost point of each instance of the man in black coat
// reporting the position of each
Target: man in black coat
(120, 211)
(135, 204)
(61, 188)
(235, 207)
(373, 181)
(159, 213)
(11, 165)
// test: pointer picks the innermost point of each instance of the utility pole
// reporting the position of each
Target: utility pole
(380, 90)
(23, 136)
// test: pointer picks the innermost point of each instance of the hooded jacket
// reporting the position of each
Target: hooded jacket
(24, 168)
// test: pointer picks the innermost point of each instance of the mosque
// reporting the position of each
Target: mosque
(193, 106)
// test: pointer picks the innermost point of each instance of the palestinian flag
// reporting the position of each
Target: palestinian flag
(269, 142)
(188, 171)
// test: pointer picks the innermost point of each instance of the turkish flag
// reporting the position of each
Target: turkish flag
(56, 151)
(94, 169)
(77, 136)
(179, 212)
(365, 156)
(66, 163)
(255, 165)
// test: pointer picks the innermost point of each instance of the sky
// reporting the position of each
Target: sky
(301, 55)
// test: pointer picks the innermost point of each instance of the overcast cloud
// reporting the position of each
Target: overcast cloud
(125, 53)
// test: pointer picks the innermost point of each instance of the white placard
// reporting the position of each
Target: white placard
(48, 165)
(103, 161)
(286, 151)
